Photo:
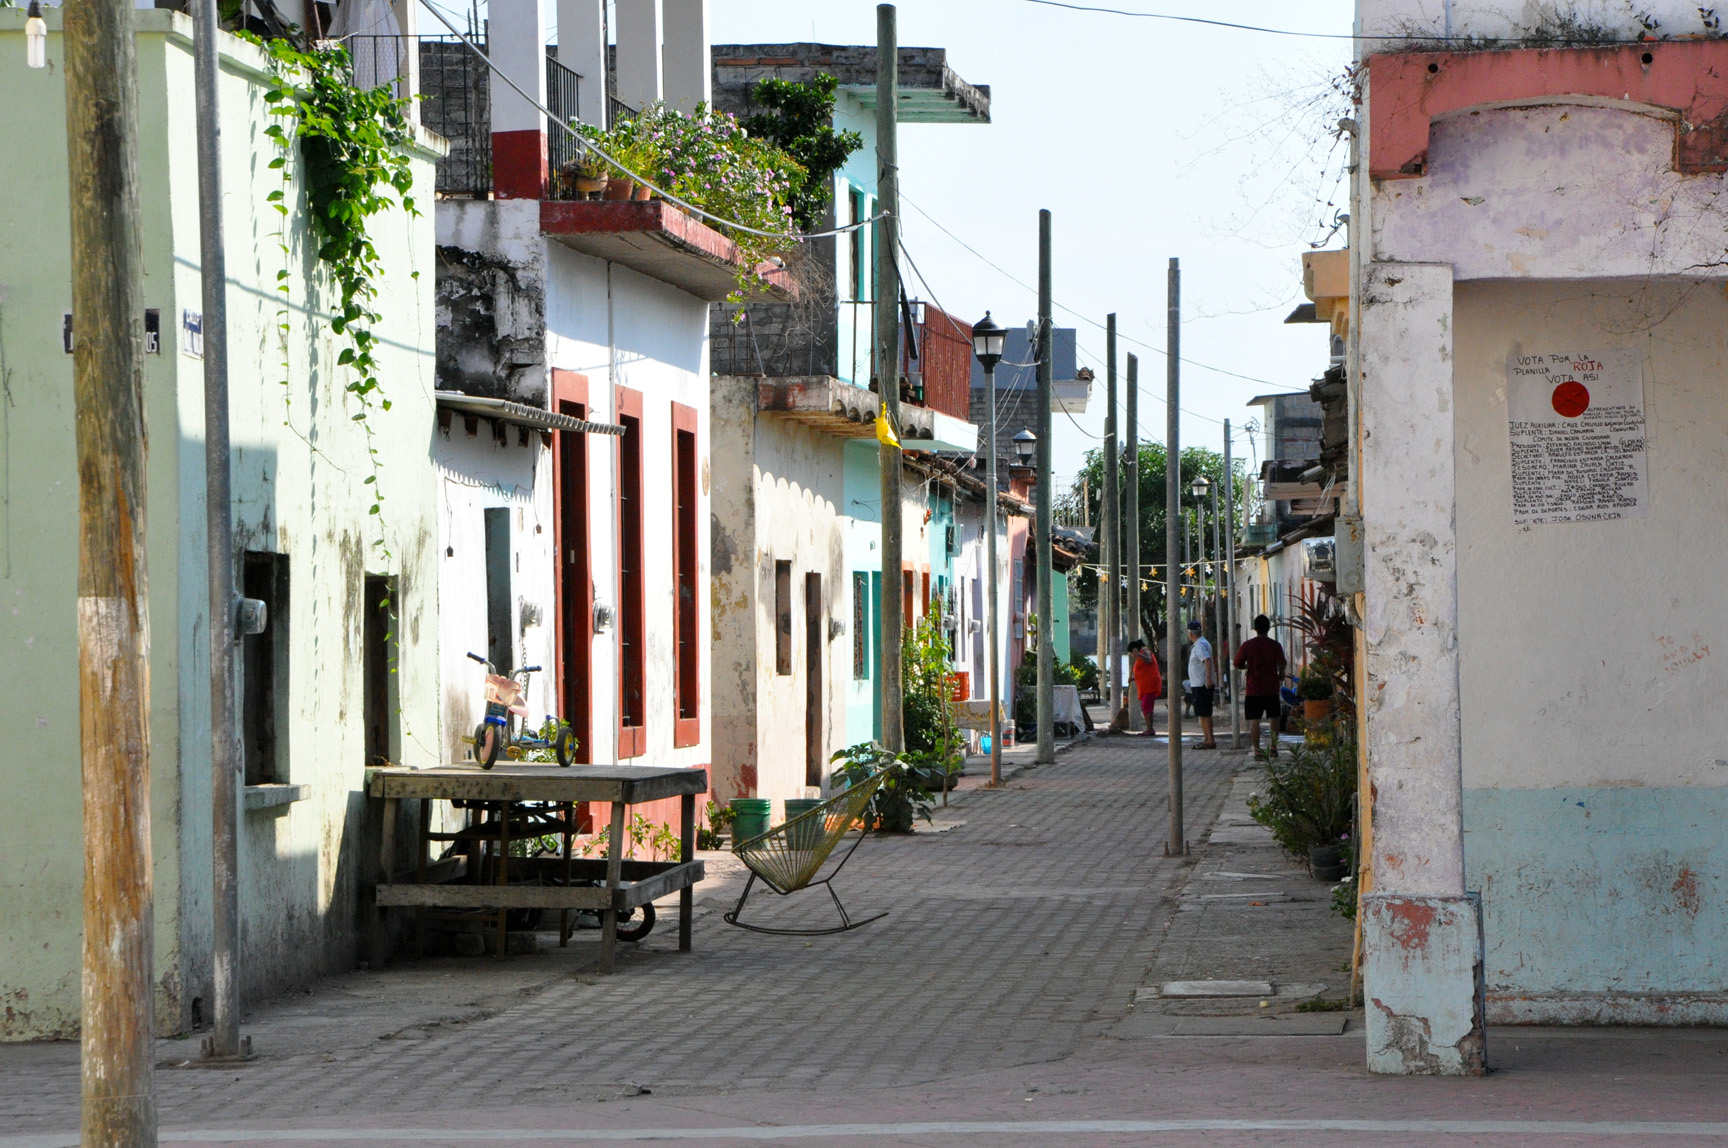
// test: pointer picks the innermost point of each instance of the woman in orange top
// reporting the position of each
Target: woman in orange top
(1148, 681)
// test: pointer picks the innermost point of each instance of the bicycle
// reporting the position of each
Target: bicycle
(500, 733)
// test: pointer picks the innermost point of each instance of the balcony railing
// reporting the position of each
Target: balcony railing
(456, 102)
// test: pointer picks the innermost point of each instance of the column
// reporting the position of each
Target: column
(1421, 932)
(685, 58)
(639, 76)
(582, 49)
(517, 31)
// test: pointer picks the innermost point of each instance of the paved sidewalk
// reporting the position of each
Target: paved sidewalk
(995, 1005)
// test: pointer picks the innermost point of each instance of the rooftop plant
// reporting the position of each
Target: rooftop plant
(799, 119)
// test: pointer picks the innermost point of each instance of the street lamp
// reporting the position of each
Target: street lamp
(1025, 446)
(988, 341)
(1200, 487)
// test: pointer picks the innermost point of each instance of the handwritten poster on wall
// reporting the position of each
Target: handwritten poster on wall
(1577, 421)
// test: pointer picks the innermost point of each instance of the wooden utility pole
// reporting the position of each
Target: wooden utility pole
(1229, 556)
(119, 1091)
(1131, 519)
(1174, 532)
(1046, 593)
(1109, 627)
(888, 366)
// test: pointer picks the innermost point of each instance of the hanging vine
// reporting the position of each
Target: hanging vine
(353, 166)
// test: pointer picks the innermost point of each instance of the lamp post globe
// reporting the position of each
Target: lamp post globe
(988, 341)
(1025, 446)
(1200, 487)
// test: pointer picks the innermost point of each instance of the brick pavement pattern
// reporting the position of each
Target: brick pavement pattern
(1012, 938)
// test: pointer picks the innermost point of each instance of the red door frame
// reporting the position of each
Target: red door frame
(632, 596)
(575, 611)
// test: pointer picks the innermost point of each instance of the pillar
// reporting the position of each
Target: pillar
(639, 74)
(1421, 931)
(517, 33)
(685, 56)
(582, 49)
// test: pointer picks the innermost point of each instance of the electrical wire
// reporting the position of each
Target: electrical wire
(661, 192)
(1404, 38)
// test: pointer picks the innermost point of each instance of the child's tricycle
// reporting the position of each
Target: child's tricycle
(502, 732)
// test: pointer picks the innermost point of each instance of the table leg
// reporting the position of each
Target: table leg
(687, 895)
(564, 914)
(422, 848)
(386, 860)
(614, 878)
(503, 872)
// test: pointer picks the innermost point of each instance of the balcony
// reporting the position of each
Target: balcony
(659, 241)
(845, 411)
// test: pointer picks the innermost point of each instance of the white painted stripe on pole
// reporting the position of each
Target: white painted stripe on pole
(1607, 1128)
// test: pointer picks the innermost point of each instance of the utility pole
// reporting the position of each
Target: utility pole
(1230, 593)
(1220, 641)
(224, 1042)
(1131, 524)
(101, 67)
(1176, 845)
(888, 367)
(1108, 599)
(1046, 594)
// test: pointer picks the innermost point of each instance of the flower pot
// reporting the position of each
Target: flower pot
(590, 186)
(1329, 862)
(643, 193)
(620, 188)
(1316, 710)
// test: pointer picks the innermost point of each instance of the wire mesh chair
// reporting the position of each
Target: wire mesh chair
(788, 856)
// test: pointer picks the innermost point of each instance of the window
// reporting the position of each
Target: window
(783, 617)
(856, 242)
(632, 628)
(264, 672)
(500, 632)
(378, 645)
(688, 683)
(860, 625)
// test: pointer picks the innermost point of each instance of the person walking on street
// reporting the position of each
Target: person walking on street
(1263, 659)
(1148, 680)
(1202, 680)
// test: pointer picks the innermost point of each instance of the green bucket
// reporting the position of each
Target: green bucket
(750, 817)
(808, 834)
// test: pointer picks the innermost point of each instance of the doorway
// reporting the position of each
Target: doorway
(575, 584)
(814, 644)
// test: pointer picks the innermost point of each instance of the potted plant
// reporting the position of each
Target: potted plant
(1308, 801)
(1314, 688)
(587, 176)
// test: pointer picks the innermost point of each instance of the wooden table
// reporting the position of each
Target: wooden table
(554, 791)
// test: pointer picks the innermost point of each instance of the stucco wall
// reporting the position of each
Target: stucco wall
(298, 462)
(1594, 780)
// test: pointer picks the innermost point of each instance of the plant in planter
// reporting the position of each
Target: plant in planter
(1309, 804)
(1315, 688)
(933, 737)
(904, 795)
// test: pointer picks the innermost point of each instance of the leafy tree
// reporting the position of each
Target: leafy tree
(1195, 462)
(800, 121)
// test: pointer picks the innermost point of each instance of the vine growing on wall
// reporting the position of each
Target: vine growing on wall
(350, 142)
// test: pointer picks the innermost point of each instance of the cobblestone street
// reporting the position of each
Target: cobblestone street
(1001, 988)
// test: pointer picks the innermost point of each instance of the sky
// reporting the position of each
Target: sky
(1147, 140)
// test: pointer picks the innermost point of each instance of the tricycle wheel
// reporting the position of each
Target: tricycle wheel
(634, 924)
(486, 744)
(561, 745)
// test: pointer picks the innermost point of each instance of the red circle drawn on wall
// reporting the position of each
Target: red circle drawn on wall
(1571, 399)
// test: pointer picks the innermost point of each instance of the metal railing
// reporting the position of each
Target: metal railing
(564, 101)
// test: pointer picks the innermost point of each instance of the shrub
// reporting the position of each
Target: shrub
(1309, 798)
(905, 793)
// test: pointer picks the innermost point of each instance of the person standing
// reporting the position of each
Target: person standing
(1202, 681)
(1264, 661)
(1148, 680)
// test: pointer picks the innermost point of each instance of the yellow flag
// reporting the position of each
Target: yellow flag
(885, 431)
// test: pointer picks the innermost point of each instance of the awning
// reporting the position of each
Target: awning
(520, 414)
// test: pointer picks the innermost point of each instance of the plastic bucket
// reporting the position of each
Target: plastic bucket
(750, 817)
(808, 834)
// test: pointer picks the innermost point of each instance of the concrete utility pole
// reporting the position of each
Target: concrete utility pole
(1131, 519)
(1173, 551)
(1219, 641)
(224, 1040)
(1046, 593)
(1230, 592)
(1108, 625)
(888, 367)
(119, 1089)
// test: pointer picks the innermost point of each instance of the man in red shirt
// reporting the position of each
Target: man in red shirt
(1148, 681)
(1264, 660)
